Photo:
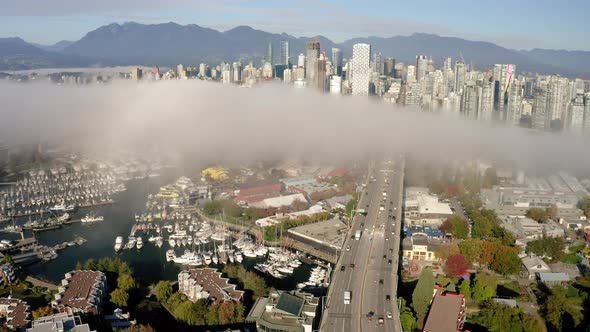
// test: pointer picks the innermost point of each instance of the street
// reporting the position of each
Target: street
(371, 262)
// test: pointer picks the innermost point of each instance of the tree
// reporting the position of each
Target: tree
(42, 312)
(537, 214)
(465, 288)
(422, 295)
(8, 260)
(499, 317)
(125, 282)
(457, 226)
(299, 205)
(490, 178)
(584, 205)
(560, 313)
(484, 287)
(483, 227)
(119, 297)
(212, 208)
(506, 260)
(163, 290)
(551, 212)
(471, 249)
(407, 318)
(229, 208)
(446, 250)
(213, 314)
(547, 247)
(456, 266)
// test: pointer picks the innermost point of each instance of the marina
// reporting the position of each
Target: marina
(158, 236)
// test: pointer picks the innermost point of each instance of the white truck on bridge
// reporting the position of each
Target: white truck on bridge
(357, 235)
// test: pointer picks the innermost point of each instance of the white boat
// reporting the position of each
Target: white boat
(159, 242)
(239, 257)
(118, 243)
(184, 241)
(170, 255)
(172, 242)
(285, 269)
(131, 242)
(215, 259)
(152, 239)
(207, 258)
(58, 208)
(91, 218)
(231, 257)
(139, 243)
(189, 240)
(301, 285)
(249, 253)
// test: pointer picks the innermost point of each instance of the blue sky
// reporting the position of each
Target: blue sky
(510, 23)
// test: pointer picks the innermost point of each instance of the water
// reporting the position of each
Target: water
(150, 263)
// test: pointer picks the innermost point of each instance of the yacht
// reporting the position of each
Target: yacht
(172, 242)
(159, 242)
(139, 243)
(239, 257)
(131, 242)
(170, 255)
(118, 243)
(207, 258)
(91, 218)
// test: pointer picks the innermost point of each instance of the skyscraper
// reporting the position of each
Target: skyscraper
(361, 62)
(301, 60)
(540, 119)
(389, 67)
(337, 61)
(269, 54)
(311, 65)
(285, 56)
(237, 72)
(575, 119)
(411, 75)
(378, 63)
(459, 76)
(421, 67)
(514, 104)
(486, 107)
(470, 100)
(503, 76)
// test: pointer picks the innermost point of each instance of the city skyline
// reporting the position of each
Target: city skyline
(68, 20)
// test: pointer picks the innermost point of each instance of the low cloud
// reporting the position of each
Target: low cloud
(211, 122)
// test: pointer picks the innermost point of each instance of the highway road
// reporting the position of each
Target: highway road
(368, 267)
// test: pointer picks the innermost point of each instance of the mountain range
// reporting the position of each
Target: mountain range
(168, 44)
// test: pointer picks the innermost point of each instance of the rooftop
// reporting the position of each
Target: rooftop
(210, 279)
(445, 313)
(59, 322)
(553, 277)
(327, 232)
(290, 304)
(16, 312)
(82, 289)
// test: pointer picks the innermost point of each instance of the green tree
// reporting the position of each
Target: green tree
(8, 259)
(213, 314)
(445, 251)
(422, 295)
(457, 226)
(560, 313)
(125, 282)
(499, 318)
(506, 260)
(537, 214)
(119, 297)
(584, 205)
(483, 227)
(212, 208)
(407, 318)
(547, 247)
(465, 288)
(471, 249)
(484, 287)
(163, 290)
